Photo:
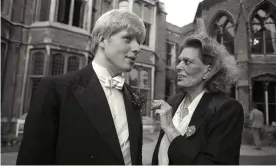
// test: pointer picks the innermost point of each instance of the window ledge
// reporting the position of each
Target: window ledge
(170, 67)
(148, 48)
(262, 55)
(60, 26)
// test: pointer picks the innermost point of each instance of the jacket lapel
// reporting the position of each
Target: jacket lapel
(91, 97)
(200, 111)
(176, 101)
(133, 123)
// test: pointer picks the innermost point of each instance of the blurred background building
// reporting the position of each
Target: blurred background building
(51, 37)
(247, 28)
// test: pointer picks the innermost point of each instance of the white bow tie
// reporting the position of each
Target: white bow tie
(117, 82)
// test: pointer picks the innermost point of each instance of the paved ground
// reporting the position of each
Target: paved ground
(249, 156)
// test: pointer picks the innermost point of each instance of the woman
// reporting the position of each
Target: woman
(206, 127)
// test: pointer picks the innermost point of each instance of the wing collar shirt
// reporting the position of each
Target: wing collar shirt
(181, 125)
(111, 87)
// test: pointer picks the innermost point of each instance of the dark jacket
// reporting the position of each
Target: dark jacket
(217, 139)
(70, 122)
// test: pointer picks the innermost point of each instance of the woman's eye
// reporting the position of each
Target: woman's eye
(187, 62)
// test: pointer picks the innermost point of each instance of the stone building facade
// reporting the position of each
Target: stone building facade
(248, 30)
(40, 38)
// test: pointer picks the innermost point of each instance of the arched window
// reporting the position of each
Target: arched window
(123, 4)
(133, 77)
(37, 63)
(223, 31)
(263, 30)
(73, 64)
(57, 64)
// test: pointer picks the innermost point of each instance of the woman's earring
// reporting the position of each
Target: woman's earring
(204, 77)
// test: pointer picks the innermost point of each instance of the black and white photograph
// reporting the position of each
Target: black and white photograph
(138, 82)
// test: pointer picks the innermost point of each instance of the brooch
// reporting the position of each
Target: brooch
(190, 131)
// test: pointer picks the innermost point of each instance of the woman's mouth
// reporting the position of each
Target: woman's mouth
(180, 76)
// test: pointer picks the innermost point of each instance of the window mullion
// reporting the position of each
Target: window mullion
(71, 12)
(53, 12)
(264, 42)
(65, 67)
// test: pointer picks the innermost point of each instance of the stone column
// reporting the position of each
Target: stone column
(266, 102)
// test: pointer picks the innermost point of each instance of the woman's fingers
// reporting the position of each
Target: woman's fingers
(160, 112)
(156, 104)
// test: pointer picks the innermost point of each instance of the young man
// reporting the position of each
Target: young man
(88, 117)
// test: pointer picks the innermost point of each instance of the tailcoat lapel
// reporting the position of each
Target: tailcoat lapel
(133, 120)
(91, 97)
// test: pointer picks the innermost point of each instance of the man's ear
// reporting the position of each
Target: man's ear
(101, 41)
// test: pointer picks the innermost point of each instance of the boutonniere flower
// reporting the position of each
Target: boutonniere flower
(190, 131)
(138, 101)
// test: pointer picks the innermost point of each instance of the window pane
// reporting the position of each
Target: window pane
(137, 8)
(270, 36)
(147, 13)
(147, 39)
(147, 105)
(38, 63)
(230, 46)
(223, 32)
(257, 39)
(106, 6)
(2, 5)
(258, 92)
(57, 64)
(3, 57)
(78, 15)
(44, 10)
(93, 17)
(3, 64)
(34, 84)
(222, 20)
(257, 45)
(123, 4)
(256, 29)
(73, 64)
(133, 75)
(229, 30)
(216, 32)
(64, 11)
(169, 47)
(271, 46)
(144, 79)
(5, 6)
(262, 13)
(169, 88)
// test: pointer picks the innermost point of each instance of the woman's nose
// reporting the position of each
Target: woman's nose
(179, 66)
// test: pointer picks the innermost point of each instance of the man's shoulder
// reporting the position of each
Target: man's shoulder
(70, 77)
